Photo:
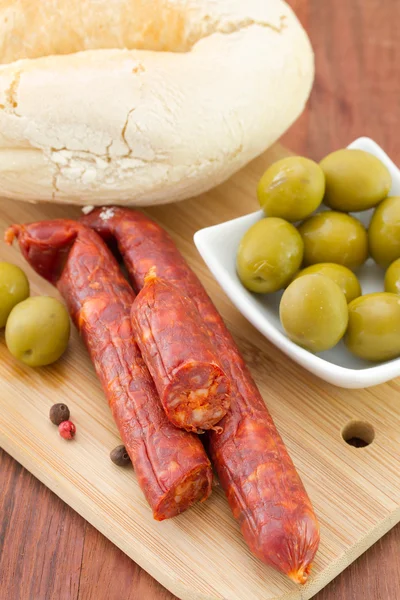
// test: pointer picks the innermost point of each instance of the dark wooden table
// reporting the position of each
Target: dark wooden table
(48, 552)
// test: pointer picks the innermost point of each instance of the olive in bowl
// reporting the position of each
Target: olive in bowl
(292, 188)
(313, 312)
(37, 331)
(355, 180)
(334, 237)
(269, 255)
(342, 276)
(392, 278)
(384, 232)
(373, 332)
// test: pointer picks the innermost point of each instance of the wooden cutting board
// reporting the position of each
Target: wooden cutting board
(201, 554)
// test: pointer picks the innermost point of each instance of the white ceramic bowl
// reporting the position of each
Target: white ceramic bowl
(218, 245)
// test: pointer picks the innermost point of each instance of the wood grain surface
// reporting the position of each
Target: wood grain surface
(47, 552)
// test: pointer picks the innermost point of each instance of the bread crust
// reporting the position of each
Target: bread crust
(151, 102)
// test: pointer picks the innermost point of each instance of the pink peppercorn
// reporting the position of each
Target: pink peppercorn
(67, 430)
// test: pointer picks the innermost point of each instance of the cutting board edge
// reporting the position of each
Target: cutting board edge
(348, 557)
(180, 221)
(175, 587)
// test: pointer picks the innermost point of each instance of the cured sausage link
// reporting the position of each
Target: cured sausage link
(263, 488)
(180, 356)
(171, 465)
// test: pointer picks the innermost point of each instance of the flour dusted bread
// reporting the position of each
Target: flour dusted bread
(143, 101)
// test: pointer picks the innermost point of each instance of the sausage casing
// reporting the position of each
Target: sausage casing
(180, 356)
(171, 465)
(263, 488)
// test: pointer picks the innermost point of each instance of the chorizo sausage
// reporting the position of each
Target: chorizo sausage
(171, 465)
(179, 354)
(263, 488)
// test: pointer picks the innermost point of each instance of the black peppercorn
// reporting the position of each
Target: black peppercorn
(59, 413)
(119, 456)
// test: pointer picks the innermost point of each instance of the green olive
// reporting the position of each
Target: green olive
(384, 232)
(392, 278)
(291, 188)
(341, 275)
(336, 238)
(14, 287)
(355, 180)
(269, 254)
(374, 326)
(37, 331)
(313, 312)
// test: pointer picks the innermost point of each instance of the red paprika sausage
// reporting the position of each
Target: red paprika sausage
(171, 465)
(263, 487)
(180, 356)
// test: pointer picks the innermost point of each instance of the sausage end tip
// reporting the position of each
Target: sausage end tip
(150, 275)
(300, 575)
(11, 233)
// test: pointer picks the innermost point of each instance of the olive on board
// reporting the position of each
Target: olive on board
(37, 331)
(336, 238)
(269, 254)
(313, 312)
(292, 188)
(384, 232)
(392, 278)
(14, 287)
(355, 180)
(373, 332)
(341, 275)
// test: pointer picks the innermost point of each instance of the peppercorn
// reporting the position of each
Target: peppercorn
(67, 430)
(59, 413)
(120, 457)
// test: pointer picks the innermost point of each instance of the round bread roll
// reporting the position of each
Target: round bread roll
(143, 101)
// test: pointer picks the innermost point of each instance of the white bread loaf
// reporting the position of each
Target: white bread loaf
(143, 101)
